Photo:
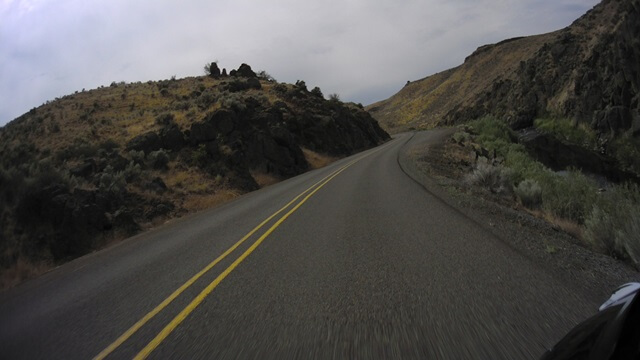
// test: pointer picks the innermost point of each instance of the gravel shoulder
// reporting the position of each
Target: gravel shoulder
(439, 166)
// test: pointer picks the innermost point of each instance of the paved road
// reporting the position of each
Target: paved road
(366, 264)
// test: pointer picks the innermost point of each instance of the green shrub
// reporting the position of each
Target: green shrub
(112, 182)
(263, 75)
(234, 102)
(571, 197)
(132, 172)
(205, 100)
(137, 156)
(493, 134)
(461, 137)
(626, 149)
(199, 157)
(530, 193)
(158, 159)
(568, 130)
(613, 226)
(493, 178)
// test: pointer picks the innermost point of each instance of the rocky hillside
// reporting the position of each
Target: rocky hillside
(588, 73)
(98, 165)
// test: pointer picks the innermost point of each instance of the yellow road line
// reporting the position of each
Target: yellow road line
(127, 334)
(187, 310)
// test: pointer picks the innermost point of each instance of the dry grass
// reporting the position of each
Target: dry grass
(423, 103)
(317, 160)
(264, 179)
(21, 270)
(196, 202)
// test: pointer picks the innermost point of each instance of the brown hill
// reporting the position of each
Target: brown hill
(95, 166)
(588, 72)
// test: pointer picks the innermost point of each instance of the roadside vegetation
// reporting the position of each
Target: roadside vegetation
(96, 166)
(607, 219)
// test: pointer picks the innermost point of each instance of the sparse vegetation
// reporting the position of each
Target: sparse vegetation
(93, 167)
(529, 193)
(494, 178)
(610, 219)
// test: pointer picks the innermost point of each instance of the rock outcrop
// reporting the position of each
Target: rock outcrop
(85, 169)
(588, 72)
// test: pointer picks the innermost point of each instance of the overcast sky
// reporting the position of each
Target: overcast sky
(364, 50)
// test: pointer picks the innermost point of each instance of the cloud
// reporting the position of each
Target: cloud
(365, 50)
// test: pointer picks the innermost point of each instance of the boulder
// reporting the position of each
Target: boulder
(245, 71)
(223, 120)
(214, 70)
(202, 132)
(172, 138)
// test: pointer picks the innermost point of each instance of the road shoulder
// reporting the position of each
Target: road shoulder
(426, 160)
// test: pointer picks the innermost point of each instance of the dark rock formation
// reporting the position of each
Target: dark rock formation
(172, 138)
(146, 142)
(592, 76)
(245, 71)
(214, 70)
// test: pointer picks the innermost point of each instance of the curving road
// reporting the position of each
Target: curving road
(364, 264)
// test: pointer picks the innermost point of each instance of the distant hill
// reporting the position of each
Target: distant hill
(588, 73)
(95, 166)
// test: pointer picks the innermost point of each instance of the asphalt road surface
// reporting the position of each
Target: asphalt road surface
(364, 263)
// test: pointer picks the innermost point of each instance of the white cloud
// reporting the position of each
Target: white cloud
(364, 50)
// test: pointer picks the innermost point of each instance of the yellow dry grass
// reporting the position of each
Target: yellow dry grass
(197, 202)
(317, 160)
(264, 179)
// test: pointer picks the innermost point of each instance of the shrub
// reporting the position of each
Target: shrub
(493, 134)
(461, 137)
(568, 130)
(300, 84)
(571, 197)
(112, 182)
(628, 237)
(158, 159)
(165, 118)
(108, 145)
(613, 226)
(317, 92)
(626, 149)
(280, 88)
(137, 157)
(199, 157)
(493, 178)
(530, 193)
(205, 100)
(263, 75)
(334, 97)
(235, 102)
(132, 172)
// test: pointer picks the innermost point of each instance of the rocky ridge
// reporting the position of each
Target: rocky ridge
(588, 72)
(94, 166)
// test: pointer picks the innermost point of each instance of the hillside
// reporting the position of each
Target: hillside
(95, 166)
(588, 73)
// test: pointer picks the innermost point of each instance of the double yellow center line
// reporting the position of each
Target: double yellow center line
(198, 299)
